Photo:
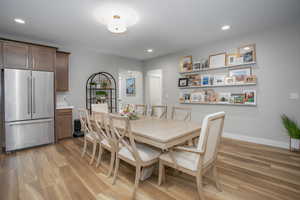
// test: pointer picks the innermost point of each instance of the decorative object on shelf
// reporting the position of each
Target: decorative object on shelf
(186, 64)
(224, 97)
(293, 131)
(233, 59)
(205, 80)
(183, 82)
(129, 112)
(250, 97)
(194, 80)
(229, 80)
(217, 60)
(197, 96)
(238, 98)
(251, 79)
(197, 66)
(240, 74)
(247, 53)
(101, 88)
(219, 79)
(101, 96)
(130, 87)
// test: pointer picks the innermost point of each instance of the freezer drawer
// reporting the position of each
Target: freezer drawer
(19, 135)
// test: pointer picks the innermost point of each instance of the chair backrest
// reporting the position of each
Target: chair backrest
(181, 113)
(101, 124)
(210, 137)
(159, 111)
(120, 126)
(100, 107)
(141, 109)
(84, 120)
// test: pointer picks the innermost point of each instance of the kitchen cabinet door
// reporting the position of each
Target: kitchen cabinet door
(62, 71)
(43, 58)
(15, 55)
(63, 124)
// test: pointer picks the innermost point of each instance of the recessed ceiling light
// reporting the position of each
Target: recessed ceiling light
(225, 27)
(149, 50)
(20, 21)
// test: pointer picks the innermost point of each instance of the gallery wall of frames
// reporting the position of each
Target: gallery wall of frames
(199, 79)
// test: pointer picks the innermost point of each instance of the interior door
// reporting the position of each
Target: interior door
(42, 94)
(17, 95)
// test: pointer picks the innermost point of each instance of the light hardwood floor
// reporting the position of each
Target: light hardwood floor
(247, 171)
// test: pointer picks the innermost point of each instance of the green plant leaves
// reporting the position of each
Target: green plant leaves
(291, 127)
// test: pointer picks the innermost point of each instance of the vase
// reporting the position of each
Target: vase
(295, 144)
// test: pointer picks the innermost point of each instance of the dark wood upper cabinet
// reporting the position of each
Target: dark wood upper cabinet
(1, 55)
(15, 55)
(62, 71)
(43, 58)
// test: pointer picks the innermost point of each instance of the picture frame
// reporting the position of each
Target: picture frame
(250, 97)
(197, 96)
(217, 60)
(219, 79)
(130, 87)
(197, 66)
(247, 53)
(186, 64)
(224, 97)
(238, 98)
(240, 74)
(233, 59)
(183, 82)
(205, 80)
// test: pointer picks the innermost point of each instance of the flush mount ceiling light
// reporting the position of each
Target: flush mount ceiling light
(149, 50)
(225, 27)
(116, 17)
(20, 21)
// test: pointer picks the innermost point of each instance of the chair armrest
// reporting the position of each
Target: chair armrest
(188, 150)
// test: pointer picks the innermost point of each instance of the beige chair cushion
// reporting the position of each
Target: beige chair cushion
(146, 153)
(183, 159)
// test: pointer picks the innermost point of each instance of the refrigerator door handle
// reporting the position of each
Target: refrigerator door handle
(28, 96)
(33, 95)
(29, 122)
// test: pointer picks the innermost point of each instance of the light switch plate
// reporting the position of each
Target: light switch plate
(294, 95)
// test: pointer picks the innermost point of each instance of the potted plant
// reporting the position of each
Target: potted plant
(101, 96)
(294, 132)
(93, 84)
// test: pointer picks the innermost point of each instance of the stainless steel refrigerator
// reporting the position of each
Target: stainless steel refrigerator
(28, 108)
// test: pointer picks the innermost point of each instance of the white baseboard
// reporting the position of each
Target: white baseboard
(257, 140)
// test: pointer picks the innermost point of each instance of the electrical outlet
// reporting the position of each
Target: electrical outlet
(294, 95)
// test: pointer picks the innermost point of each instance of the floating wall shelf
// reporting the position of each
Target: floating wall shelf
(214, 86)
(217, 103)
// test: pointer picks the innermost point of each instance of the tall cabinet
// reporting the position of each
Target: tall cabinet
(62, 71)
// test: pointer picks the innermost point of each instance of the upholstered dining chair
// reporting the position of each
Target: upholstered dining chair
(181, 113)
(141, 109)
(201, 160)
(89, 133)
(108, 141)
(136, 154)
(159, 111)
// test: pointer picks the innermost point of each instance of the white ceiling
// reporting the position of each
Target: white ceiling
(165, 25)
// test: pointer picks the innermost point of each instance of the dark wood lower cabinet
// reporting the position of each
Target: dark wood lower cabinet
(63, 123)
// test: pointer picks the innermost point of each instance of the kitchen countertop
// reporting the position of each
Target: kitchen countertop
(64, 107)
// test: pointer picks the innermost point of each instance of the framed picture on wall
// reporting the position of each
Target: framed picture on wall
(130, 87)
(186, 64)
(183, 82)
(247, 53)
(233, 59)
(250, 97)
(240, 74)
(217, 60)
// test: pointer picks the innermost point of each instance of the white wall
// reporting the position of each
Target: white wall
(278, 71)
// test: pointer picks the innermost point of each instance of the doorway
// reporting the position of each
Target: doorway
(154, 87)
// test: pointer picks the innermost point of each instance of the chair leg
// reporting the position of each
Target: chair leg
(94, 152)
(116, 169)
(215, 177)
(161, 173)
(112, 160)
(200, 186)
(137, 179)
(99, 156)
(84, 147)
